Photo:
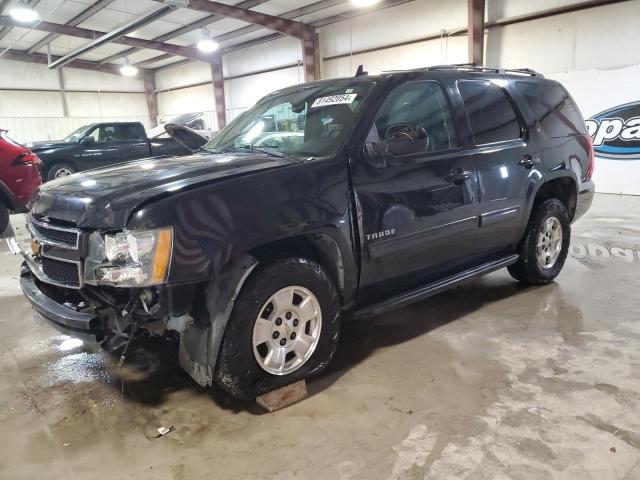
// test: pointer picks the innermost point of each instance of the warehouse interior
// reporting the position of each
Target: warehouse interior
(487, 380)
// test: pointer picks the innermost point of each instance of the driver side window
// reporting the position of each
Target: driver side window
(418, 103)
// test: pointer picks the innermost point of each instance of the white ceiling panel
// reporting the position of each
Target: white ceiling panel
(110, 18)
(13, 44)
(215, 29)
(59, 11)
(184, 16)
(24, 35)
(278, 7)
(327, 12)
(143, 55)
(137, 7)
(166, 62)
(120, 12)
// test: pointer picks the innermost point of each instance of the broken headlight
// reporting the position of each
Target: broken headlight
(132, 258)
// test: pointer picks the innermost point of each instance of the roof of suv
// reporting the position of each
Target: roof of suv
(461, 70)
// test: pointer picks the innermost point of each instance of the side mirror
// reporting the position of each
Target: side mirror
(400, 139)
(376, 154)
(406, 138)
(88, 140)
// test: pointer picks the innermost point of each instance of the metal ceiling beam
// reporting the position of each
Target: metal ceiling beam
(298, 12)
(113, 35)
(274, 36)
(41, 58)
(203, 22)
(187, 52)
(272, 22)
(77, 20)
(5, 31)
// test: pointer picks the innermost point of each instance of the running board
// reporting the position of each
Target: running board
(431, 289)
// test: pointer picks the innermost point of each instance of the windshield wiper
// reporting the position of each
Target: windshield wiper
(256, 149)
(208, 150)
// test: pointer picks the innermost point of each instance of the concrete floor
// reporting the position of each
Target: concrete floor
(488, 381)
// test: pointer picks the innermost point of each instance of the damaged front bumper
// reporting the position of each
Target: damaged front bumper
(85, 326)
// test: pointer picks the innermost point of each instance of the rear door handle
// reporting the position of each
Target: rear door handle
(528, 161)
(458, 176)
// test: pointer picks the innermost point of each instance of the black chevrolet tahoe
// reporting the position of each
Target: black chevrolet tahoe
(371, 192)
(100, 145)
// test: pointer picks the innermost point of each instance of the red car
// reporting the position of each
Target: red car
(19, 177)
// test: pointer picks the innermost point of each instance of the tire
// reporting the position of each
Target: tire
(59, 170)
(4, 218)
(537, 266)
(238, 368)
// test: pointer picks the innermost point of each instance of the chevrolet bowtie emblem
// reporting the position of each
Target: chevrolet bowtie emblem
(36, 248)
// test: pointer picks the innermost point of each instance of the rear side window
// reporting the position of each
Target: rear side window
(128, 132)
(553, 108)
(491, 114)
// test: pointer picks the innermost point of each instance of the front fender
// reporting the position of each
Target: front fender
(201, 339)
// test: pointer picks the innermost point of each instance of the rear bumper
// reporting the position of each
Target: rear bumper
(585, 198)
(70, 322)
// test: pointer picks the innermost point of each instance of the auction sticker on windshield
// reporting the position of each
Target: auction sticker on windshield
(345, 98)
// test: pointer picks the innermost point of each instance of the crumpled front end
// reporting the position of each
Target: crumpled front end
(54, 281)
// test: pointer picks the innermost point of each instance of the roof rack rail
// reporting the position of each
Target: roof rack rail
(473, 68)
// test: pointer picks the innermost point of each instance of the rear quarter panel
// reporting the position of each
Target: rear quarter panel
(565, 156)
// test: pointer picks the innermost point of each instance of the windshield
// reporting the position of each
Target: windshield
(75, 136)
(311, 121)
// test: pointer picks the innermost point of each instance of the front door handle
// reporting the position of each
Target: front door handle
(458, 176)
(529, 161)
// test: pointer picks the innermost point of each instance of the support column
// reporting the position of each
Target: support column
(475, 22)
(63, 93)
(311, 55)
(151, 96)
(217, 79)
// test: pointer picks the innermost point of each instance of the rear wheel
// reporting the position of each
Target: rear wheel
(283, 328)
(60, 170)
(544, 247)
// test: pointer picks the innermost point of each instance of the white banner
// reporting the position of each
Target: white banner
(610, 102)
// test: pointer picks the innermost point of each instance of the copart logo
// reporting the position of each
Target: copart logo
(616, 132)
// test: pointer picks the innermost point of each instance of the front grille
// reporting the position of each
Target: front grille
(63, 273)
(47, 233)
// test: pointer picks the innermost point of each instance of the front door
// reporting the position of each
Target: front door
(418, 212)
(113, 144)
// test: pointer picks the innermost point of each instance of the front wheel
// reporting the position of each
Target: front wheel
(284, 327)
(544, 247)
(60, 170)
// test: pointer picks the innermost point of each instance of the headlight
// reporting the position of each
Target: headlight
(133, 258)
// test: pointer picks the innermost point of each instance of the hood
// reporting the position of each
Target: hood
(105, 198)
(186, 136)
(38, 146)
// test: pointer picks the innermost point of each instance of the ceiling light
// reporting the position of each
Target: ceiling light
(21, 12)
(207, 44)
(364, 3)
(127, 69)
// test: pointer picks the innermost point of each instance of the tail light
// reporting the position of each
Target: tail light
(592, 159)
(28, 158)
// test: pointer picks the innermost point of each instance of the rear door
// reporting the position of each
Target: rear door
(504, 162)
(131, 141)
(418, 218)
